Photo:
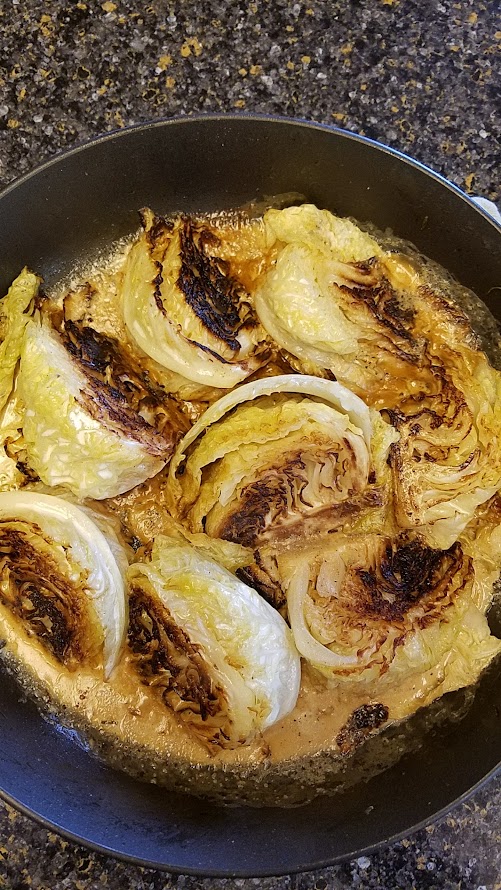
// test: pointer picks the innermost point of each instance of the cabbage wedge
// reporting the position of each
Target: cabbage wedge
(394, 615)
(328, 300)
(15, 311)
(379, 321)
(185, 309)
(447, 461)
(60, 581)
(91, 423)
(219, 656)
(280, 460)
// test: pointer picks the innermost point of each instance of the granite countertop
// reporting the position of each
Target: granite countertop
(420, 77)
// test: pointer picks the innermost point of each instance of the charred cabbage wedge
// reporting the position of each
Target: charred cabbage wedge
(185, 309)
(336, 299)
(280, 458)
(220, 657)
(78, 427)
(375, 612)
(60, 579)
(447, 461)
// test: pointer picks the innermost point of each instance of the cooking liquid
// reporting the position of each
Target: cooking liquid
(128, 725)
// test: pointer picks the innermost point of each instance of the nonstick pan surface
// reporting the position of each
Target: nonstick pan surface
(69, 211)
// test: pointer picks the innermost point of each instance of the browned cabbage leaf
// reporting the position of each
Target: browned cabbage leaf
(280, 460)
(93, 422)
(61, 577)
(393, 613)
(335, 298)
(218, 655)
(186, 309)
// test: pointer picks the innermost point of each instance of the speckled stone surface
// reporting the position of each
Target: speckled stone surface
(417, 76)
(461, 852)
(421, 78)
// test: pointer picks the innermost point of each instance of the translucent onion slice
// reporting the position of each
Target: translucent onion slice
(61, 579)
(217, 653)
(65, 444)
(186, 312)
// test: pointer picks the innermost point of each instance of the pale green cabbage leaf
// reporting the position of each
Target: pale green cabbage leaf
(12, 443)
(64, 443)
(322, 232)
(90, 561)
(299, 302)
(226, 553)
(231, 637)
(14, 316)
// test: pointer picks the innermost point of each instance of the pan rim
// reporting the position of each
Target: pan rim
(234, 873)
(252, 117)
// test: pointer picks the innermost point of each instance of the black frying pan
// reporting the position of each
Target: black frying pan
(69, 210)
